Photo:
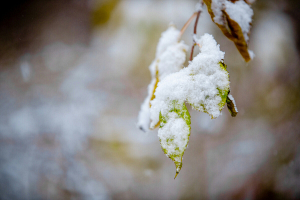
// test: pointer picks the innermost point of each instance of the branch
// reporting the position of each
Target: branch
(188, 23)
(195, 30)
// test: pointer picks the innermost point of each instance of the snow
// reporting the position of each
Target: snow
(172, 60)
(170, 57)
(199, 7)
(241, 13)
(198, 84)
(176, 130)
(251, 53)
(217, 6)
(144, 115)
(168, 38)
(238, 11)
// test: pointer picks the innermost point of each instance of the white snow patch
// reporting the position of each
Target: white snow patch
(168, 38)
(241, 13)
(170, 57)
(252, 55)
(197, 84)
(217, 6)
(177, 130)
(199, 7)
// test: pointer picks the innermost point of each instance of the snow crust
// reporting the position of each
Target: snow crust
(241, 13)
(170, 57)
(198, 84)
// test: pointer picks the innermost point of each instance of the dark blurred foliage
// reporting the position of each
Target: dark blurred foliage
(23, 24)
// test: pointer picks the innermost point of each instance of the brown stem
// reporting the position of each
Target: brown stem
(196, 22)
(192, 52)
(195, 32)
(187, 23)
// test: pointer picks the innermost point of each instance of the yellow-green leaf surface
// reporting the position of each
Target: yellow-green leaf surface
(174, 132)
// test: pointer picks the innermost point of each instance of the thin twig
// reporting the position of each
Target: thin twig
(187, 23)
(196, 22)
(195, 32)
(192, 52)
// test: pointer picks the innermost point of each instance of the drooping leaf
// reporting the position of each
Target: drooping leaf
(234, 19)
(204, 84)
(174, 132)
(170, 56)
(212, 99)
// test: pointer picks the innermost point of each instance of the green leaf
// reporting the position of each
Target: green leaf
(174, 132)
(204, 106)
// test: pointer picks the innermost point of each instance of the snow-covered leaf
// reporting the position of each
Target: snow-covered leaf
(204, 84)
(170, 56)
(174, 132)
(234, 19)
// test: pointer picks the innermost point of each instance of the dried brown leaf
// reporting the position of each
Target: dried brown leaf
(232, 30)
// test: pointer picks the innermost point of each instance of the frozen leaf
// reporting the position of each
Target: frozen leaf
(174, 132)
(234, 19)
(170, 56)
(204, 84)
(218, 97)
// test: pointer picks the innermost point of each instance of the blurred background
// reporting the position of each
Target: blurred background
(74, 73)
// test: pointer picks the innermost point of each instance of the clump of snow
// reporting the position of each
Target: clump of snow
(172, 60)
(217, 6)
(241, 13)
(199, 84)
(251, 53)
(170, 57)
(144, 115)
(199, 7)
(168, 38)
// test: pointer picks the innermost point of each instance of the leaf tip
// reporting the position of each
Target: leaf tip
(231, 105)
(177, 172)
